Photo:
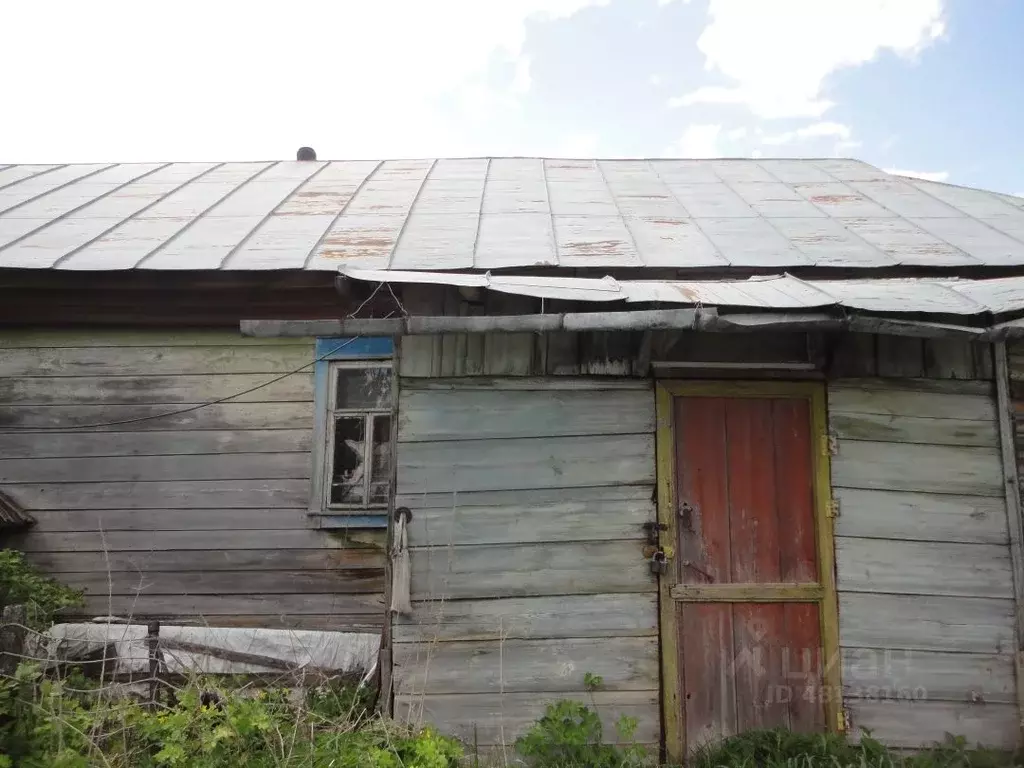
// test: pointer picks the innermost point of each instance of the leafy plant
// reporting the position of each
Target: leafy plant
(780, 748)
(570, 735)
(46, 722)
(22, 584)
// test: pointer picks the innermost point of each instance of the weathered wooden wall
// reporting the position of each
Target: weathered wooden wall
(199, 516)
(528, 499)
(926, 601)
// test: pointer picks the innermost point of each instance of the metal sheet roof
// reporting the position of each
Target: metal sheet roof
(492, 213)
(936, 296)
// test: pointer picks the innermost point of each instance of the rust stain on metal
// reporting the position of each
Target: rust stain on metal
(596, 247)
(357, 246)
(687, 293)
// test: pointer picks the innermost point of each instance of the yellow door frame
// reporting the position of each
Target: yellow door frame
(814, 393)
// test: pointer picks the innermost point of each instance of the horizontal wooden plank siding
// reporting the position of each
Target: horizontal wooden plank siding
(630, 353)
(542, 665)
(912, 724)
(506, 618)
(166, 443)
(160, 509)
(525, 463)
(488, 718)
(925, 579)
(921, 516)
(158, 418)
(528, 498)
(894, 674)
(520, 517)
(914, 567)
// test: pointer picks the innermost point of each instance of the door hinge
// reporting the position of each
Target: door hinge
(832, 510)
(829, 445)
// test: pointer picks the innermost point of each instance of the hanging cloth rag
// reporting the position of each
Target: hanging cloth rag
(401, 568)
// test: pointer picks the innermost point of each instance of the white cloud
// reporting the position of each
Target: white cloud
(198, 80)
(697, 141)
(737, 134)
(812, 131)
(655, 79)
(778, 54)
(926, 175)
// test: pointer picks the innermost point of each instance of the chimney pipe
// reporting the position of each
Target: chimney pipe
(305, 153)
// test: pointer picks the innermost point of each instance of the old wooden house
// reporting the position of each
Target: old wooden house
(737, 436)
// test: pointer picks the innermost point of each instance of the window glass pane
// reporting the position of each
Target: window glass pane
(363, 388)
(348, 471)
(380, 470)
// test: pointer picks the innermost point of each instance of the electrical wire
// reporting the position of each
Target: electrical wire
(189, 409)
(199, 406)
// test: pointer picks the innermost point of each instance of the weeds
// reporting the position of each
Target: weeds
(46, 722)
(23, 584)
(784, 749)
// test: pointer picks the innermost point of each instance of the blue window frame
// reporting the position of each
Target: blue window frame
(353, 445)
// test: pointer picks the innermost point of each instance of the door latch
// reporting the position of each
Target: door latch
(652, 529)
(686, 516)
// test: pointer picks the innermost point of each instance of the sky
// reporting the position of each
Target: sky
(921, 87)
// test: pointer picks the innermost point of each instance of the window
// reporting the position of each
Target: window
(353, 455)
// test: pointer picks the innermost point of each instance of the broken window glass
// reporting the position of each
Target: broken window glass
(380, 467)
(348, 482)
(360, 457)
(363, 388)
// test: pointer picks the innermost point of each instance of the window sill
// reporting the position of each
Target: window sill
(344, 521)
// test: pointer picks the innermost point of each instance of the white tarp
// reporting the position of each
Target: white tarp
(215, 650)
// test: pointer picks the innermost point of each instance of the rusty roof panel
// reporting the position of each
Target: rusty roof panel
(842, 201)
(904, 199)
(775, 199)
(363, 241)
(591, 241)
(981, 241)
(497, 212)
(826, 242)
(908, 244)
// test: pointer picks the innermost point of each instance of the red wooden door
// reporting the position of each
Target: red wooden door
(746, 587)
